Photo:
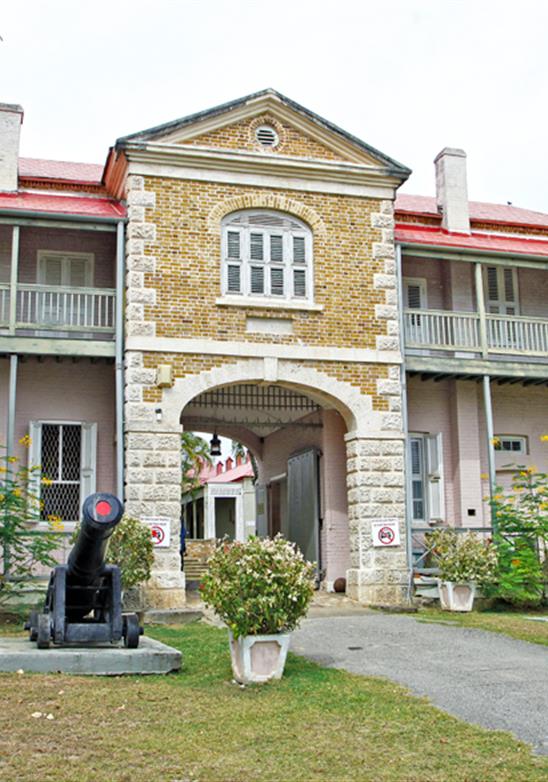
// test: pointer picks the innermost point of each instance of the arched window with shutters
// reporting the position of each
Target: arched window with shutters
(266, 255)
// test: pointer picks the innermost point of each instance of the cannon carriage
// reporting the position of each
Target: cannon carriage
(84, 599)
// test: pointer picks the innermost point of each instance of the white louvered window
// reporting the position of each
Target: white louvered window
(501, 286)
(267, 255)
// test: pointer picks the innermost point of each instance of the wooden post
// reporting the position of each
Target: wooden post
(480, 304)
(13, 278)
(488, 408)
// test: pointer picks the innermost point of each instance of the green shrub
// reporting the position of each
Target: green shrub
(521, 518)
(463, 557)
(130, 547)
(22, 546)
(262, 586)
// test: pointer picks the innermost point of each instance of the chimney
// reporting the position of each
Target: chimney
(219, 468)
(238, 459)
(11, 119)
(451, 190)
(228, 464)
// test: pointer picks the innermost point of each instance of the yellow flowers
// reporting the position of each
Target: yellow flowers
(56, 522)
(12, 459)
(25, 441)
(543, 438)
(16, 492)
(46, 481)
(2, 497)
(484, 476)
(495, 441)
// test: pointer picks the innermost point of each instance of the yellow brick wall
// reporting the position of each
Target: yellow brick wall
(362, 376)
(188, 268)
(241, 135)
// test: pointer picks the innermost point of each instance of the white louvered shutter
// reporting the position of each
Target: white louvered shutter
(257, 280)
(277, 281)
(434, 468)
(34, 456)
(299, 283)
(501, 287)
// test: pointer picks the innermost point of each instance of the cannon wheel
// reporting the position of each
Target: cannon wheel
(32, 626)
(131, 631)
(43, 632)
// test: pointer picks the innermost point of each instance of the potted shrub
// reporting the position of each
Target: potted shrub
(465, 562)
(260, 589)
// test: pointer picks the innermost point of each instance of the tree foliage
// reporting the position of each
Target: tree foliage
(194, 455)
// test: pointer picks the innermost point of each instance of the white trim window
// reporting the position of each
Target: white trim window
(66, 453)
(511, 443)
(266, 255)
(69, 270)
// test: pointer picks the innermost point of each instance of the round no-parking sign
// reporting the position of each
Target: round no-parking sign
(160, 529)
(386, 532)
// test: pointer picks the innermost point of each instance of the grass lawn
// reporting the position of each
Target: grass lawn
(510, 623)
(316, 724)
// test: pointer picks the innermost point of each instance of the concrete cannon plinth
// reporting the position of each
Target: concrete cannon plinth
(152, 657)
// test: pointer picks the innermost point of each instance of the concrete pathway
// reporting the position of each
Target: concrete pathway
(481, 677)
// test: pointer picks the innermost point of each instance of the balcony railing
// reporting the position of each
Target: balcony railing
(57, 310)
(465, 331)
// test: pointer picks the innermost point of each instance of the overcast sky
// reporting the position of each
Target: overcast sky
(407, 76)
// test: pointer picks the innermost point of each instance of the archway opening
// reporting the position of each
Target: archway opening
(296, 437)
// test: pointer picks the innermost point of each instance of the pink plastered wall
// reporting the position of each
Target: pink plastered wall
(101, 245)
(65, 391)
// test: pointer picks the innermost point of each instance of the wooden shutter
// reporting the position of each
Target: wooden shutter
(299, 249)
(233, 278)
(299, 283)
(51, 270)
(256, 247)
(434, 467)
(502, 290)
(257, 280)
(233, 245)
(277, 281)
(276, 248)
(88, 461)
(34, 456)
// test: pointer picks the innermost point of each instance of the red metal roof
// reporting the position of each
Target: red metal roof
(50, 203)
(425, 235)
(479, 211)
(83, 173)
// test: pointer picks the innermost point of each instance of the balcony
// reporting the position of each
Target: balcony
(492, 336)
(57, 312)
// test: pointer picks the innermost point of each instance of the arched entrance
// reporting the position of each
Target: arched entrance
(358, 452)
(298, 443)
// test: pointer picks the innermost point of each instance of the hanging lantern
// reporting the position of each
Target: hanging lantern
(215, 445)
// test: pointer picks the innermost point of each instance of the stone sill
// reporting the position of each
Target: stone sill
(267, 304)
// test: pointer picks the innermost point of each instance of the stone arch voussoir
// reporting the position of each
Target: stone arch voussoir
(356, 408)
(265, 201)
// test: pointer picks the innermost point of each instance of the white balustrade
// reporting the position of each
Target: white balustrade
(442, 330)
(460, 331)
(4, 304)
(56, 308)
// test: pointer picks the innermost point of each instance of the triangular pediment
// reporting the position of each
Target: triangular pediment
(298, 132)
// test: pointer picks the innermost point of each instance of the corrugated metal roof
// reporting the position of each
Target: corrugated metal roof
(62, 204)
(423, 235)
(480, 211)
(34, 168)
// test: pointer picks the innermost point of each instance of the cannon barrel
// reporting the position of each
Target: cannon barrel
(100, 515)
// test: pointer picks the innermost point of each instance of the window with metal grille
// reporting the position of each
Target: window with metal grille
(61, 449)
(267, 254)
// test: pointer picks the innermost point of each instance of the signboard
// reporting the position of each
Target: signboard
(386, 532)
(160, 529)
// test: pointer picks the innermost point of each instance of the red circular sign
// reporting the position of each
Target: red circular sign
(386, 535)
(158, 535)
(103, 508)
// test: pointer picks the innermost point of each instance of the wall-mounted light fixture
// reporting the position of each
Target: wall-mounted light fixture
(215, 445)
(158, 413)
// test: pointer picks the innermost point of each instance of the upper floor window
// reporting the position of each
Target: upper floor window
(266, 255)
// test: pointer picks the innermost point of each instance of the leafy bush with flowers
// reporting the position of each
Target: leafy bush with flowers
(463, 558)
(521, 538)
(22, 545)
(131, 548)
(259, 587)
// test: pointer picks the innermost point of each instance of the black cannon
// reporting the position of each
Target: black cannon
(84, 599)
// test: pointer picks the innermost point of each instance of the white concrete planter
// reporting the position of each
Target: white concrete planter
(258, 658)
(456, 597)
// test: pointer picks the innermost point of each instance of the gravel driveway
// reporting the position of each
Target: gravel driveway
(481, 677)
